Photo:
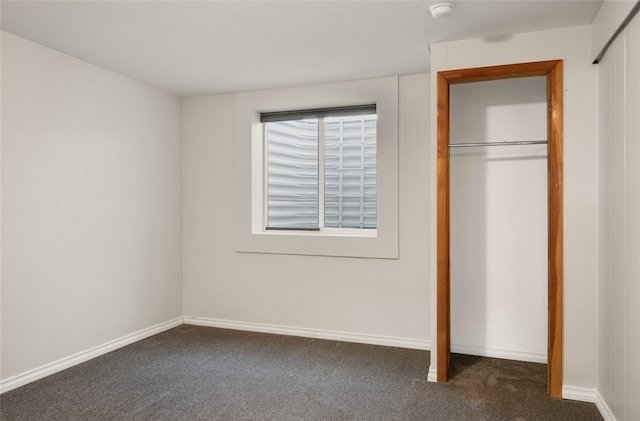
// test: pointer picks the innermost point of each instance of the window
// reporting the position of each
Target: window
(323, 237)
(320, 169)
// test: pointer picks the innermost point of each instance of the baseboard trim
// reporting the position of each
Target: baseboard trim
(605, 411)
(499, 353)
(581, 394)
(64, 363)
(310, 333)
(433, 375)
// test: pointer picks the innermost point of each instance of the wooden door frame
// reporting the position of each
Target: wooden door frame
(553, 72)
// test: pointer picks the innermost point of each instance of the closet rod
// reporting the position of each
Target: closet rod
(522, 142)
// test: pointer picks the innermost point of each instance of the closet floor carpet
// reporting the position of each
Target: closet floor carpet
(202, 373)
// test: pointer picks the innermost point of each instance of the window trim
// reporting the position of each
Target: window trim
(250, 235)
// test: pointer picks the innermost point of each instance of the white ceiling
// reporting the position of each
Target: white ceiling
(205, 47)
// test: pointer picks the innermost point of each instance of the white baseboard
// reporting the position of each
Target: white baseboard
(604, 409)
(581, 394)
(70, 361)
(433, 374)
(311, 333)
(499, 353)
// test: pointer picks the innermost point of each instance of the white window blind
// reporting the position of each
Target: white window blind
(321, 172)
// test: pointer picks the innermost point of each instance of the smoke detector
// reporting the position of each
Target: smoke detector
(441, 9)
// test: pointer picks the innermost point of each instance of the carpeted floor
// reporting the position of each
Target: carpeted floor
(200, 373)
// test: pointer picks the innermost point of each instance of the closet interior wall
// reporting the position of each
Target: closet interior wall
(498, 219)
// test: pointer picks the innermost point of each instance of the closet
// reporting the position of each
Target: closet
(498, 218)
(499, 215)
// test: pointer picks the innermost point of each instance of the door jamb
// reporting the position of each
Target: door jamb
(553, 72)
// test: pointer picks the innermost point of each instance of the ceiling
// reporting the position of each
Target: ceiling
(196, 48)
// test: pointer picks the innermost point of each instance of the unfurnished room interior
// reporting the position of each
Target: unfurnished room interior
(320, 210)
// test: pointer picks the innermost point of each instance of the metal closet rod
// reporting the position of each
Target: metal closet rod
(521, 142)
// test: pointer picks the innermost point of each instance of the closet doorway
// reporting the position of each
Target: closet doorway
(552, 70)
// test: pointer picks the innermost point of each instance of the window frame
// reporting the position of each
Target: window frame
(250, 235)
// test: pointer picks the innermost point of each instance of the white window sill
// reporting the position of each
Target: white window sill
(343, 232)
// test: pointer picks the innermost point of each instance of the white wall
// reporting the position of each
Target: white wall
(370, 300)
(498, 219)
(91, 214)
(619, 242)
(572, 45)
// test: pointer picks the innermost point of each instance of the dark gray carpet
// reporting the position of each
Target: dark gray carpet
(200, 373)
